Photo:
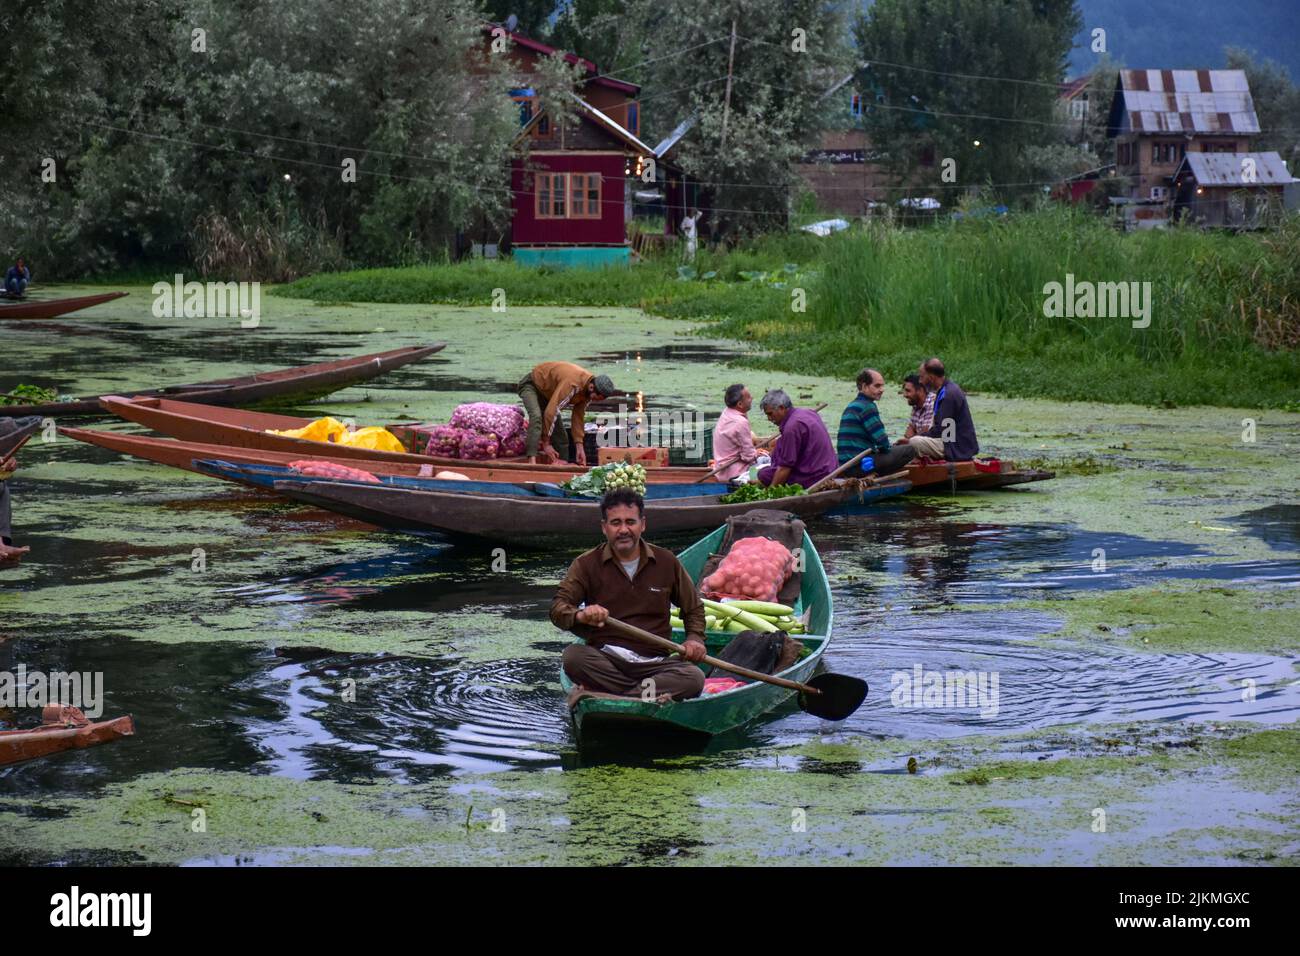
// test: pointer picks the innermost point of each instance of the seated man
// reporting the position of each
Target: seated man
(921, 400)
(17, 278)
(733, 442)
(634, 581)
(804, 453)
(952, 433)
(861, 429)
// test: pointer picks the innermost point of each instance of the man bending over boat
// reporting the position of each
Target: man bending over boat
(546, 392)
(17, 278)
(634, 581)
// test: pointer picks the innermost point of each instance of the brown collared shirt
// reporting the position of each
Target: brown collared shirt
(597, 577)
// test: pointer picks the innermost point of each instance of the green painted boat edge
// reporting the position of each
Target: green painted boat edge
(716, 713)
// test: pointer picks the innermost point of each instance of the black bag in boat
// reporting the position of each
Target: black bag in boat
(766, 653)
(13, 431)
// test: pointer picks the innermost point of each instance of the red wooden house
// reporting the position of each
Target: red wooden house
(572, 185)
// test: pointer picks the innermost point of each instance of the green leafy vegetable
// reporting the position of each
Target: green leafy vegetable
(30, 395)
(605, 478)
(753, 491)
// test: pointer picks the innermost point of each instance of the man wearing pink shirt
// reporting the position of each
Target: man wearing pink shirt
(733, 442)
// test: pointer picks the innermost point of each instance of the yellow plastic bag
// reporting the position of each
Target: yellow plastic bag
(373, 437)
(322, 429)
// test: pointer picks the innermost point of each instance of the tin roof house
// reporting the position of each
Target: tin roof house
(1234, 190)
(1159, 117)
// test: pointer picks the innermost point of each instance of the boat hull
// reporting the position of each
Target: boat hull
(286, 385)
(19, 745)
(53, 308)
(264, 477)
(521, 521)
(932, 477)
(244, 429)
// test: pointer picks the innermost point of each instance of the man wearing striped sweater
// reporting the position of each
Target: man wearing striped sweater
(862, 430)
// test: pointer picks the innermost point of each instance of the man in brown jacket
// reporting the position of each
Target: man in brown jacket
(546, 392)
(634, 581)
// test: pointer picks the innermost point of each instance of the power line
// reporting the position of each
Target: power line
(919, 69)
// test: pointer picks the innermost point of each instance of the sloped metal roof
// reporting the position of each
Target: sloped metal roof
(595, 116)
(671, 140)
(612, 126)
(1187, 101)
(1229, 169)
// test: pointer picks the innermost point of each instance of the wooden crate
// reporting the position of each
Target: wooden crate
(647, 457)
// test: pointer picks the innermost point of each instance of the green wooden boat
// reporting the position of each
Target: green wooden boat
(712, 714)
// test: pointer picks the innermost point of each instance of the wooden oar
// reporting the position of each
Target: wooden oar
(735, 458)
(838, 471)
(828, 696)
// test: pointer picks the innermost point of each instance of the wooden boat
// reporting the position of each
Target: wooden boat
(244, 429)
(285, 385)
(14, 434)
(264, 477)
(932, 476)
(523, 520)
(712, 714)
(52, 308)
(62, 728)
(182, 454)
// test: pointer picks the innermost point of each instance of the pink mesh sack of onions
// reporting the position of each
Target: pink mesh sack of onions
(477, 447)
(753, 570)
(445, 441)
(487, 418)
(515, 445)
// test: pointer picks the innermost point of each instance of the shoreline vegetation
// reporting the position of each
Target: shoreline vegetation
(1224, 310)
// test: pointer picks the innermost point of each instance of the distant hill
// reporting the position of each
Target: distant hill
(1187, 34)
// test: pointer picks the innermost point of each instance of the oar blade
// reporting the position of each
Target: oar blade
(840, 695)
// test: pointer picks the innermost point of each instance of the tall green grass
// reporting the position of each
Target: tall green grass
(1224, 327)
(1224, 319)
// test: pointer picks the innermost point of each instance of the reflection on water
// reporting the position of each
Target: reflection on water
(899, 574)
(313, 714)
(407, 718)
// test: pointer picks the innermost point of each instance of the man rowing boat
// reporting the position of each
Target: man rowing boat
(555, 386)
(636, 582)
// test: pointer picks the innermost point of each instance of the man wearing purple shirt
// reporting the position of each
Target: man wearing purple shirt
(804, 453)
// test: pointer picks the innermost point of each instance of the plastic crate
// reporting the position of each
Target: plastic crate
(681, 456)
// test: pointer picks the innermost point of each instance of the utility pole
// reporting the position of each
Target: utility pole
(726, 104)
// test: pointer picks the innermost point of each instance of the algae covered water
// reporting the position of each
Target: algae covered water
(328, 693)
